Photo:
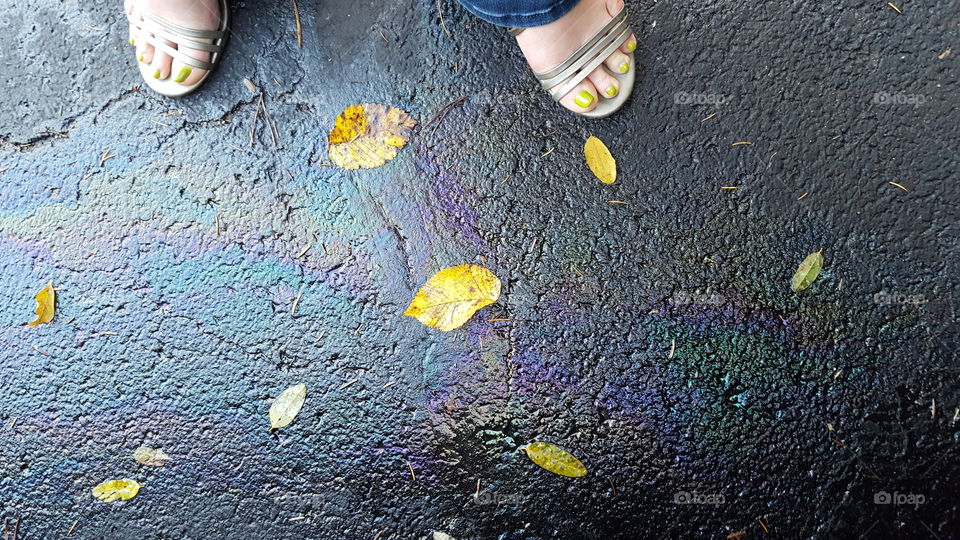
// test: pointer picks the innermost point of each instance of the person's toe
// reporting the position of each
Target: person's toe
(581, 99)
(630, 45)
(131, 30)
(180, 71)
(606, 84)
(618, 62)
(614, 7)
(185, 74)
(144, 49)
(188, 75)
(160, 67)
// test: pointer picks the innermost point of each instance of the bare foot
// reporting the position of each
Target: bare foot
(547, 46)
(195, 14)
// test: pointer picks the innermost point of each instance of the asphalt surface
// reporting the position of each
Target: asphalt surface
(655, 337)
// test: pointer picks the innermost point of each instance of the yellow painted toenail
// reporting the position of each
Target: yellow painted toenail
(624, 67)
(632, 46)
(583, 99)
(140, 58)
(184, 73)
(133, 41)
(612, 91)
(156, 74)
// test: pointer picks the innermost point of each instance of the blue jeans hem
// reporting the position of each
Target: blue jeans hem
(538, 17)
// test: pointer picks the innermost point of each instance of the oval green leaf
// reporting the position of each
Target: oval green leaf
(555, 459)
(116, 490)
(153, 457)
(808, 271)
(285, 408)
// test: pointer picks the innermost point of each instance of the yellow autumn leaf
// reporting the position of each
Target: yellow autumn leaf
(154, 457)
(368, 135)
(113, 490)
(287, 405)
(451, 296)
(600, 161)
(46, 300)
(555, 459)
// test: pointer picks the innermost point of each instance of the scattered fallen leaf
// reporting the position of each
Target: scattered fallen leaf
(944, 54)
(285, 408)
(154, 457)
(451, 296)
(113, 490)
(440, 535)
(600, 161)
(368, 135)
(555, 459)
(46, 300)
(808, 271)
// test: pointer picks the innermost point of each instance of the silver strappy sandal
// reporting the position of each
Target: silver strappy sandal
(560, 80)
(158, 29)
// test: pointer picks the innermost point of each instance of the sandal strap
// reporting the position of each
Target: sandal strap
(563, 78)
(162, 29)
(178, 39)
(180, 30)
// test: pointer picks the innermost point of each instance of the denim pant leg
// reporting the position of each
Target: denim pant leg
(519, 13)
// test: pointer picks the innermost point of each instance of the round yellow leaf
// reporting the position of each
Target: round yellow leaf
(451, 296)
(368, 135)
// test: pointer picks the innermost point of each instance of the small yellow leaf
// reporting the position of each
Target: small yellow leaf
(368, 135)
(555, 459)
(46, 300)
(154, 457)
(113, 490)
(451, 296)
(600, 161)
(287, 405)
(807, 272)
